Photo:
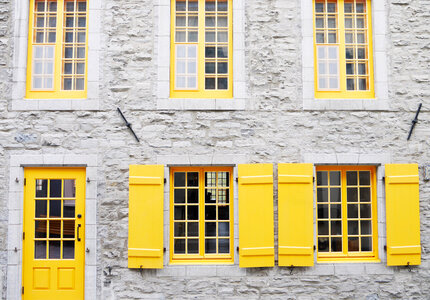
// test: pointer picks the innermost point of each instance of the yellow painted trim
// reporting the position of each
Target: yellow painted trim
(56, 93)
(346, 256)
(201, 258)
(200, 92)
(343, 93)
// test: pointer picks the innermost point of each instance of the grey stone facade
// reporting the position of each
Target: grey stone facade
(270, 126)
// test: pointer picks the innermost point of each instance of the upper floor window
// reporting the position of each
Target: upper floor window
(201, 49)
(343, 49)
(57, 49)
(346, 213)
(201, 214)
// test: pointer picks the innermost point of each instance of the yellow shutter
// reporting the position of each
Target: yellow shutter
(295, 215)
(256, 228)
(145, 217)
(403, 214)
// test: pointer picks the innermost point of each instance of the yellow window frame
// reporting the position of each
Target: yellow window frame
(202, 258)
(343, 93)
(56, 92)
(345, 256)
(200, 92)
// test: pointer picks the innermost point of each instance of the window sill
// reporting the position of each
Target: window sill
(199, 263)
(346, 104)
(54, 104)
(348, 260)
(200, 104)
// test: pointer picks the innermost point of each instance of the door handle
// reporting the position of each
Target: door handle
(79, 227)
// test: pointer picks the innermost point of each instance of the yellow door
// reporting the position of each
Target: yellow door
(54, 233)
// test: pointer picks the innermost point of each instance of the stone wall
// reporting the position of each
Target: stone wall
(274, 129)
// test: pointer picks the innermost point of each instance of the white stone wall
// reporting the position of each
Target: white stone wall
(271, 127)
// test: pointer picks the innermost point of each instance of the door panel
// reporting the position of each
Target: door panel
(54, 227)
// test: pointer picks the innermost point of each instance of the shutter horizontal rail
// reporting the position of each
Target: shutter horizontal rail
(400, 250)
(264, 179)
(402, 179)
(145, 180)
(257, 251)
(295, 179)
(290, 250)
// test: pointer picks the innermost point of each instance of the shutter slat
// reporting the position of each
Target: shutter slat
(256, 228)
(295, 215)
(145, 217)
(403, 214)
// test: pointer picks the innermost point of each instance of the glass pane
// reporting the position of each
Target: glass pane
(331, 7)
(54, 249)
(80, 52)
(322, 194)
(222, 5)
(361, 38)
(40, 230)
(364, 194)
(335, 195)
(334, 178)
(51, 37)
(334, 83)
(55, 188)
(350, 84)
(352, 211)
(323, 244)
(210, 246)
(223, 179)
(366, 227)
(193, 5)
(223, 68)
(361, 53)
(319, 23)
(349, 53)
(193, 196)
(366, 244)
(223, 246)
(223, 212)
(70, 21)
(70, 6)
(41, 188)
(40, 249)
(193, 229)
(179, 247)
(54, 229)
(55, 208)
(335, 211)
(53, 6)
(348, 23)
(40, 6)
(322, 178)
(222, 83)
(210, 21)
(193, 36)
(179, 196)
(349, 38)
(332, 37)
(348, 7)
(192, 212)
(210, 37)
(360, 22)
(362, 70)
(67, 84)
(179, 229)
(80, 84)
(353, 227)
(322, 211)
(210, 5)
(179, 212)
(69, 188)
(210, 212)
(222, 22)
(222, 37)
(193, 179)
(331, 22)
(82, 22)
(179, 179)
(80, 68)
(336, 244)
(192, 82)
(193, 246)
(68, 68)
(181, 37)
(81, 37)
(181, 5)
(322, 228)
(41, 208)
(68, 229)
(223, 196)
(350, 68)
(223, 229)
(336, 227)
(193, 21)
(210, 52)
(320, 38)
(210, 68)
(68, 249)
(352, 194)
(365, 211)
(353, 244)
(359, 8)
(364, 178)
(210, 229)
(69, 208)
(210, 196)
(222, 52)
(210, 83)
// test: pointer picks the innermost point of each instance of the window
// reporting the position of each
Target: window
(346, 213)
(343, 49)
(201, 215)
(57, 49)
(201, 49)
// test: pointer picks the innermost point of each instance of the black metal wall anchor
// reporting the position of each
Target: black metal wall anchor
(128, 125)
(414, 121)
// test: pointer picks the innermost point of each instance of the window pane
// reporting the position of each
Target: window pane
(336, 227)
(352, 194)
(366, 227)
(40, 229)
(364, 178)
(336, 244)
(335, 195)
(353, 227)
(334, 178)
(179, 179)
(353, 244)
(69, 208)
(210, 196)
(322, 211)
(352, 211)
(179, 212)
(41, 208)
(55, 208)
(179, 247)
(192, 212)
(193, 196)
(69, 249)
(223, 212)
(193, 246)
(323, 244)
(364, 194)
(68, 229)
(223, 229)
(193, 229)
(210, 229)
(322, 228)
(365, 211)
(210, 246)
(322, 178)
(351, 178)
(55, 188)
(54, 249)
(181, 5)
(223, 246)
(193, 179)
(366, 244)
(179, 230)
(335, 211)
(40, 249)
(222, 83)
(210, 212)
